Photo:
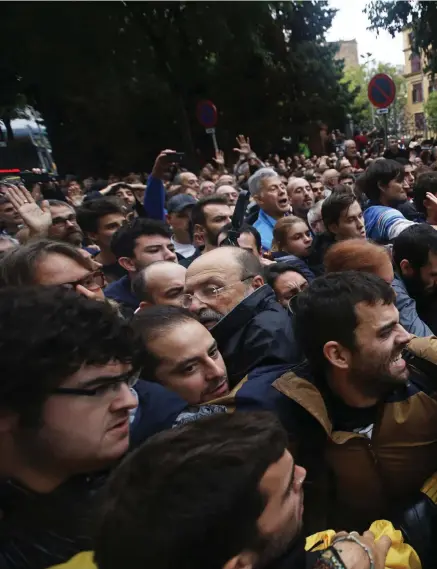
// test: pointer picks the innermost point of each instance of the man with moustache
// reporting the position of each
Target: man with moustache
(225, 289)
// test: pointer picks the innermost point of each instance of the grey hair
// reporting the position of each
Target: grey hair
(314, 212)
(256, 179)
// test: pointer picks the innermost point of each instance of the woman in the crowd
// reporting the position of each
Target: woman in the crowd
(291, 236)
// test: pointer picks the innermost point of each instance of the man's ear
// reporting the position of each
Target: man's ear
(332, 228)
(406, 269)
(337, 355)
(245, 560)
(145, 304)
(127, 264)
(257, 282)
(258, 199)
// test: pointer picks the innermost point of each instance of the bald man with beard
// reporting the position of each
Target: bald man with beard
(301, 197)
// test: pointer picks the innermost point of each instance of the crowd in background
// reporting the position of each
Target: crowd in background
(230, 336)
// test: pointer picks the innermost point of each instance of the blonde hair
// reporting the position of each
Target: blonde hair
(280, 231)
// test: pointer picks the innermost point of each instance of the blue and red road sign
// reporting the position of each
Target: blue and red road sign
(206, 114)
(381, 91)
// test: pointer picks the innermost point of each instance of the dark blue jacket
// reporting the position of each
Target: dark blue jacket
(257, 332)
(121, 292)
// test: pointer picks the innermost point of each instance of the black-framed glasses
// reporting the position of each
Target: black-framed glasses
(209, 292)
(109, 387)
(92, 281)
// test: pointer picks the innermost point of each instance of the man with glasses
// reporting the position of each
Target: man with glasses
(47, 262)
(226, 291)
(53, 219)
(70, 407)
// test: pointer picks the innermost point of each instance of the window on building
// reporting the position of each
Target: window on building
(416, 63)
(419, 121)
(417, 93)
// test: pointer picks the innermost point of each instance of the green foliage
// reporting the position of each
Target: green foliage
(420, 16)
(116, 82)
(431, 111)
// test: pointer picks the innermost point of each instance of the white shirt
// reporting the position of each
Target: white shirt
(184, 249)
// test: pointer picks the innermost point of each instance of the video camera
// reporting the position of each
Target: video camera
(237, 219)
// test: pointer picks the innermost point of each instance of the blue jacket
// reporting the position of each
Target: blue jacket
(406, 306)
(154, 199)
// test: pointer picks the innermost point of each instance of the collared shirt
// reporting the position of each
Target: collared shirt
(265, 224)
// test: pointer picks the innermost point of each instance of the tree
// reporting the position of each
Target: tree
(431, 111)
(363, 112)
(117, 82)
(420, 16)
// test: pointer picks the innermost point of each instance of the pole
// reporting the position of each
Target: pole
(385, 131)
(214, 141)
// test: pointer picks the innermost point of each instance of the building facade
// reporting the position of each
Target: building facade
(348, 51)
(419, 87)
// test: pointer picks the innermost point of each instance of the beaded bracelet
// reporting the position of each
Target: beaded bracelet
(351, 537)
(329, 559)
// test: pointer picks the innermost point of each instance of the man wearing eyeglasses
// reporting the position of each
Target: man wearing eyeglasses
(225, 289)
(70, 407)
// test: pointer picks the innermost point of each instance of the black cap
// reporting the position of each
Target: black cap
(177, 203)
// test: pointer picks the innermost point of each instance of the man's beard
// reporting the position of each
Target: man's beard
(417, 290)
(271, 549)
(375, 380)
(211, 237)
(74, 237)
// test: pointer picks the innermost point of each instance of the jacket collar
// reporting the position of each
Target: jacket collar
(243, 313)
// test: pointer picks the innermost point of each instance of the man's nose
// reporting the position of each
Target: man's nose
(70, 223)
(126, 398)
(170, 255)
(214, 370)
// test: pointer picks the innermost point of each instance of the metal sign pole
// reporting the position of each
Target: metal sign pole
(385, 130)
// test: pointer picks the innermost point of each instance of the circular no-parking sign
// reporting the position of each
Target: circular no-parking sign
(381, 90)
(206, 113)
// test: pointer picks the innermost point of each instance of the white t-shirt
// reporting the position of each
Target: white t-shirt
(184, 249)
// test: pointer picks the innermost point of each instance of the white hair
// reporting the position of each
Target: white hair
(314, 213)
(256, 179)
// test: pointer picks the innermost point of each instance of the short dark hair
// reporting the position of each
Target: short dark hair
(197, 211)
(380, 171)
(334, 205)
(426, 182)
(414, 244)
(325, 310)
(190, 497)
(275, 270)
(48, 333)
(155, 321)
(119, 186)
(123, 241)
(90, 213)
(345, 176)
(250, 264)
(244, 228)
(18, 266)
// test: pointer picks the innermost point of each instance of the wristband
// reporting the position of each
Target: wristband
(351, 537)
(329, 559)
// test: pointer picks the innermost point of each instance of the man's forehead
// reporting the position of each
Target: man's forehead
(375, 315)
(61, 209)
(148, 240)
(216, 209)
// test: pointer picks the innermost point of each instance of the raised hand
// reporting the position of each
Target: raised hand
(162, 164)
(219, 158)
(38, 219)
(244, 146)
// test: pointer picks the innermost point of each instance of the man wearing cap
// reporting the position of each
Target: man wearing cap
(178, 217)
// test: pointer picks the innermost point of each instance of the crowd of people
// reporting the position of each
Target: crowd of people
(183, 353)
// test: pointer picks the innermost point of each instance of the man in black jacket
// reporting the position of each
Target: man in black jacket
(226, 290)
(69, 411)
